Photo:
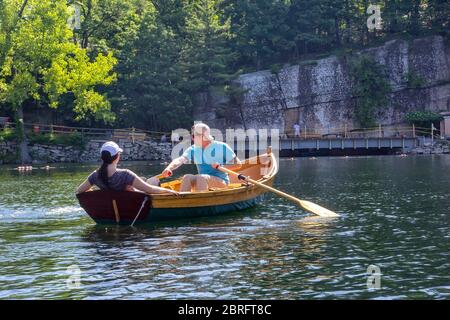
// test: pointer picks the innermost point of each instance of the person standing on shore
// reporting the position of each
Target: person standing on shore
(296, 130)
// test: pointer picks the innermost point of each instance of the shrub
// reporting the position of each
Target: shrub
(7, 134)
(415, 80)
(9, 157)
(423, 119)
(70, 139)
(370, 88)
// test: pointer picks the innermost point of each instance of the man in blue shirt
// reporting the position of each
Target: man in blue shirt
(205, 152)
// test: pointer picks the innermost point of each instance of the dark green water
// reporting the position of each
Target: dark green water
(395, 214)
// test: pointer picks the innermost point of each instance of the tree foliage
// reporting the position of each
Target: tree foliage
(370, 89)
(164, 52)
(40, 62)
(150, 82)
(423, 119)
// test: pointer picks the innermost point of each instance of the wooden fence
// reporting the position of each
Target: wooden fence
(129, 134)
(133, 134)
(386, 131)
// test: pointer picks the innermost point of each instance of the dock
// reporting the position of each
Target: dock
(346, 146)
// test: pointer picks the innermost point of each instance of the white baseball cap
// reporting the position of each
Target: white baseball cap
(112, 147)
(204, 130)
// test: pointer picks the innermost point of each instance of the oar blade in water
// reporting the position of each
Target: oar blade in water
(315, 208)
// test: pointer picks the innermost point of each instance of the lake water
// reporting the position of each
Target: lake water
(395, 214)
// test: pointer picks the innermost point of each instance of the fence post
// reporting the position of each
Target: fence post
(414, 130)
(432, 134)
(305, 133)
(345, 131)
(379, 131)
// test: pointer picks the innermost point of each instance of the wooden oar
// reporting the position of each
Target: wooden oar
(307, 205)
(159, 177)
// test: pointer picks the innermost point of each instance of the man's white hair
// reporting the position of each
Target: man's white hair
(204, 130)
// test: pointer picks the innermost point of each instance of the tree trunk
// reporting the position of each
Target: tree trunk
(415, 18)
(337, 34)
(348, 23)
(87, 20)
(23, 147)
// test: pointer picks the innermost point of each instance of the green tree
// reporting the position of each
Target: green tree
(107, 25)
(260, 30)
(370, 89)
(40, 63)
(401, 16)
(423, 119)
(316, 25)
(437, 16)
(150, 87)
(206, 56)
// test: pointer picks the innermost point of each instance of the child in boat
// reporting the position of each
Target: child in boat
(108, 177)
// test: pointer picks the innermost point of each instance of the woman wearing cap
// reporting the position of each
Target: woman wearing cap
(108, 177)
(205, 152)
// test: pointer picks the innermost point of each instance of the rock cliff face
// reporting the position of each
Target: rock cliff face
(318, 94)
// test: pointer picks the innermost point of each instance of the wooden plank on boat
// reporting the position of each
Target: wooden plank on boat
(116, 211)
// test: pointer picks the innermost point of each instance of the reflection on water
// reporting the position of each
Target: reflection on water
(394, 214)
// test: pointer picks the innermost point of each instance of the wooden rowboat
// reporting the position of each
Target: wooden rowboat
(122, 207)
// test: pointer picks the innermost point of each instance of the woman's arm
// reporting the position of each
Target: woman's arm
(141, 185)
(85, 186)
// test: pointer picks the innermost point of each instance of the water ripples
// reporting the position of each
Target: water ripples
(394, 214)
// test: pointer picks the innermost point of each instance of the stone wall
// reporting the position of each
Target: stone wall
(137, 151)
(318, 93)
(437, 147)
(8, 152)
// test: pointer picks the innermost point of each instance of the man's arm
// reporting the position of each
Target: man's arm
(236, 163)
(231, 156)
(175, 164)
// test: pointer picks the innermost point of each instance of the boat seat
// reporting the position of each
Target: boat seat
(230, 186)
(235, 185)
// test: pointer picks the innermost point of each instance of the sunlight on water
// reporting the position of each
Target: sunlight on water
(394, 214)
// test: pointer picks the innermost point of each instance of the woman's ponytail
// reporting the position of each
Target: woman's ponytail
(103, 170)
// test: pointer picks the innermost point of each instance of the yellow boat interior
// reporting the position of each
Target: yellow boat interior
(258, 168)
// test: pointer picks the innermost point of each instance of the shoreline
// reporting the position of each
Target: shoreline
(126, 163)
(149, 150)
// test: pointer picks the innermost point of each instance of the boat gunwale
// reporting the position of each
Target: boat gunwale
(267, 179)
(190, 199)
(199, 200)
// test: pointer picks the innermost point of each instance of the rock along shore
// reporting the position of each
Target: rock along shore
(51, 153)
